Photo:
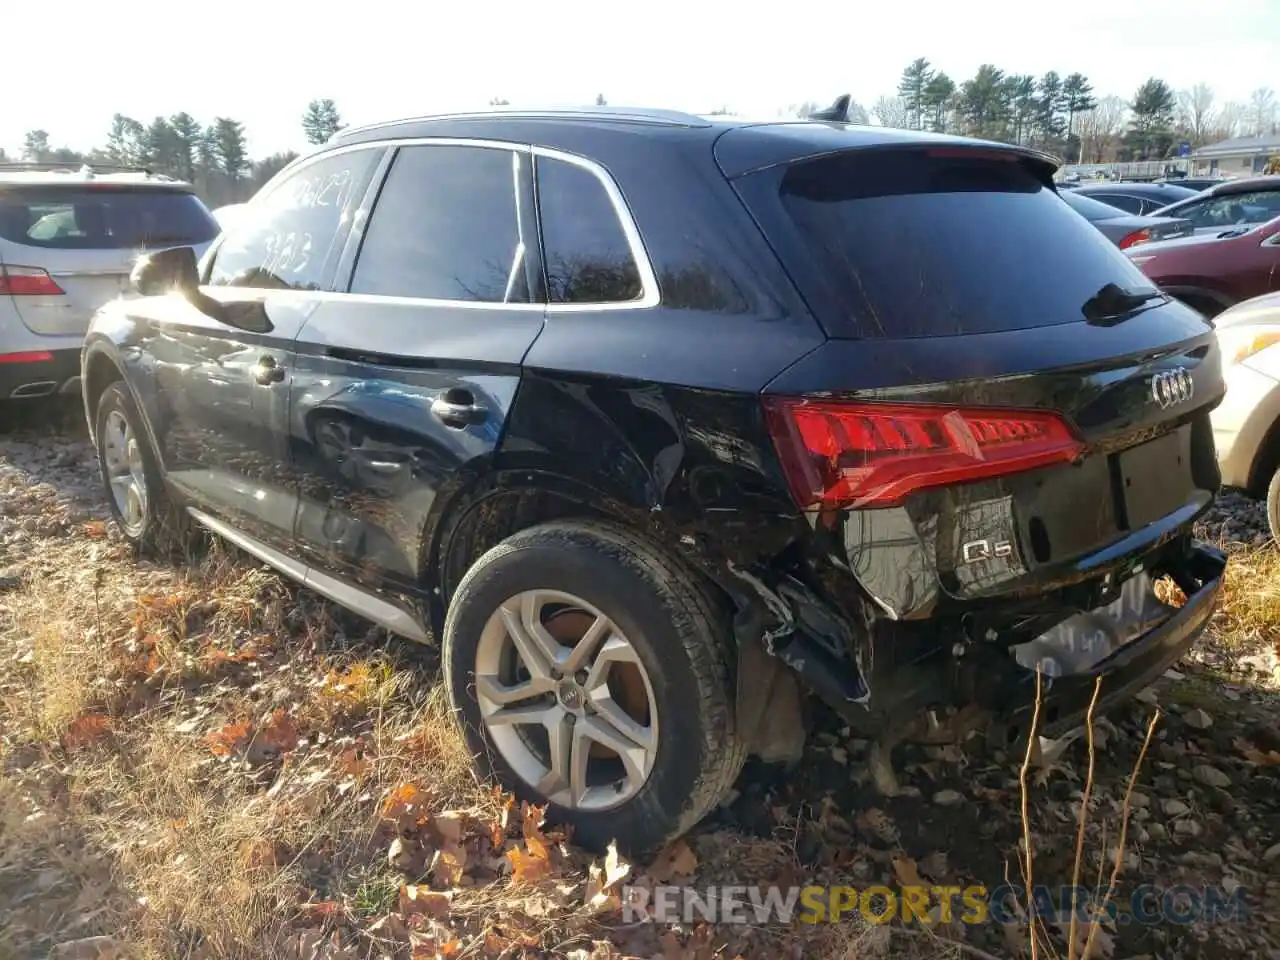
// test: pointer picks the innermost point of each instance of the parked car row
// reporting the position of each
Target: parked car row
(68, 241)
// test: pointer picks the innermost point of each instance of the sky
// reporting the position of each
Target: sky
(261, 61)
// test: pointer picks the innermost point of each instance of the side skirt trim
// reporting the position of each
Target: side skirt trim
(356, 600)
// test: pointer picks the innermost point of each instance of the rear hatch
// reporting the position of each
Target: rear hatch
(67, 249)
(1006, 404)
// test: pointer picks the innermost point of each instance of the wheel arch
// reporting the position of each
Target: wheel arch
(101, 369)
(1266, 460)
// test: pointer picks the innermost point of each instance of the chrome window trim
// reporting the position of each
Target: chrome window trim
(649, 294)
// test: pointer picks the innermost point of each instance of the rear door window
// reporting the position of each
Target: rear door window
(923, 243)
(446, 227)
(289, 239)
(103, 217)
(585, 249)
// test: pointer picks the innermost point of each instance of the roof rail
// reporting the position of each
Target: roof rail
(626, 114)
(54, 166)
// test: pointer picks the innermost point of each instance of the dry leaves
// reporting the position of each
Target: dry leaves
(677, 860)
(418, 901)
(603, 884)
(1261, 758)
(86, 729)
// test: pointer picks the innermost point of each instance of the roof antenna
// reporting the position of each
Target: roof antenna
(838, 112)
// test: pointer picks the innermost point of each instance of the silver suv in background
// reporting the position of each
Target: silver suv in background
(68, 241)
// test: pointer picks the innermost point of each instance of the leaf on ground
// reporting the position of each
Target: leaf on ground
(451, 864)
(602, 885)
(228, 738)
(676, 860)
(258, 854)
(498, 828)
(534, 838)
(406, 799)
(416, 900)
(935, 866)
(878, 824)
(86, 729)
(908, 874)
(279, 734)
(351, 763)
(216, 655)
(527, 867)
(95, 529)
(434, 943)
(449, 826)
(1261, 758)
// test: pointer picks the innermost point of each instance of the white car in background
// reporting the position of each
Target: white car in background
(1246, 425)
(68, 241)
(227, 215)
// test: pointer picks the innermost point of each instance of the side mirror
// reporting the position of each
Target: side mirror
(166, 271)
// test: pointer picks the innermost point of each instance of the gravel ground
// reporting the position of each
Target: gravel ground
(1206, 810)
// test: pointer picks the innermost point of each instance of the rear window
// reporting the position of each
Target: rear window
(103, 218)
(1090, 208)
(933, 243)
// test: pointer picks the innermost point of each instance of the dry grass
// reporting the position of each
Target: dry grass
(220, 746)
(201, 761)
(1250, 609)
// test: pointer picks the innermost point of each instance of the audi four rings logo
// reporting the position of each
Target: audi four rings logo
(1172, 386)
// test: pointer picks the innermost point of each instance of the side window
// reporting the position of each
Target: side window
(285, 240)
(1238, 208)
(587, 257)
(1121, 201)
(445, 227)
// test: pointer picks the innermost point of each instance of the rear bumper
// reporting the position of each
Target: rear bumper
(29, 379)
(1065, 702)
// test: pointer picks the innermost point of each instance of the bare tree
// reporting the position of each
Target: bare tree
(1101, 127)
(891, 112)
(1231, 121)
(1262, 111)
(1195, 112)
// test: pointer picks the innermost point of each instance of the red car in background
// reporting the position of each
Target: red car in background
(1212, 273)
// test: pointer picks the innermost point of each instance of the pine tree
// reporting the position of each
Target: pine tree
(911, 88)
(321, 121)
(229, 147)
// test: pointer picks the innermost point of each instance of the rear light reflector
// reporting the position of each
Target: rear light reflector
(838, 454)
(31, 356)
(27, 282)
(1138, 236)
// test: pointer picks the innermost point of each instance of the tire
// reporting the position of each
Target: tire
(159, 526)
(680, 636)
(1273, 505)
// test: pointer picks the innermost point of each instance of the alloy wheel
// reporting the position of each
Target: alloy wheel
(566, 700)
(122, 457)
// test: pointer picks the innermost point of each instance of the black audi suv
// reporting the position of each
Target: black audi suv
(657, 423)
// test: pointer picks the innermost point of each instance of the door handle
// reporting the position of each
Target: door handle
(458, 409)
(268, 371)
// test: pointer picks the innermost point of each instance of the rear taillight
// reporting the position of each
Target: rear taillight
(27, 282)
(1138, 236)
(839, 454)
(28, 356)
